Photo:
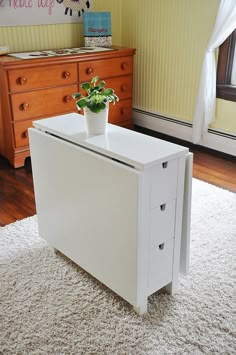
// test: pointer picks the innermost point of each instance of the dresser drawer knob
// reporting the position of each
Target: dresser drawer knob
(66, 74)
(163, 207)
(123, 88)
(67, 98)
(25, 106)
(164, 165)
(25, 134)
(161, 246)
(124, 66)
(22, 80)
(89, 70)
(122, 111)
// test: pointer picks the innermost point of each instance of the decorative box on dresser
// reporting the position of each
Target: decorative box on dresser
(42, 87)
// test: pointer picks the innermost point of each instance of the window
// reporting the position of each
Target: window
(233, 75)
(226, 71)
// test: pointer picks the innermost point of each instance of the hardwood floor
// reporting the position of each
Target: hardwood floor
(17, 193)
(215, 170)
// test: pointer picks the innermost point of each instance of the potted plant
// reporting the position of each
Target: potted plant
(95, 103)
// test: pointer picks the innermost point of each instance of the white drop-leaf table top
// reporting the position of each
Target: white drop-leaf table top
(133, 148)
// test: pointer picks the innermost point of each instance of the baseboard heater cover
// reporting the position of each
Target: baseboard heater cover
(214, 139)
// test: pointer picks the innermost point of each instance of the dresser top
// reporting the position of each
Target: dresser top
(46, 57)
(129, 147)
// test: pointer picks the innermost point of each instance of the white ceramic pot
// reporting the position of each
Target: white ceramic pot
(96, 122)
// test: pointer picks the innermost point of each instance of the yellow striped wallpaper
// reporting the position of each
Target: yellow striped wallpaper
(170, 37)
(29, 38)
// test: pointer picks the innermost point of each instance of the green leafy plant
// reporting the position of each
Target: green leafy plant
(97, 96)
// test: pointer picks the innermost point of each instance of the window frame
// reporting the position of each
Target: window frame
(224, 89)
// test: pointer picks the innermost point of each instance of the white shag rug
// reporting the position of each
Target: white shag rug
(48, 305)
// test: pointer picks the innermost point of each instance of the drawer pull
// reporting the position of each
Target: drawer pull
(123, 88)
(25, 134)
(163, 207)
(122, 111)
(22, 80)
(66, 74)
(89, 70)
(24, 106)
(161, 246)
(67, 98)
(164, 165)
(124, 66)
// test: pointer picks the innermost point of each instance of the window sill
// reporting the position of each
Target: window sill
(226, 92)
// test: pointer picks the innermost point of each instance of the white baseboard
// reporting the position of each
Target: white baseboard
(170, 126)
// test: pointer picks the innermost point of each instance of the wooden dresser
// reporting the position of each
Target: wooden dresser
(36, 88)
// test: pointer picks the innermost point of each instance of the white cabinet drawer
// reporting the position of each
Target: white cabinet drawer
(160, 265)
(164, 182)
(162, 223)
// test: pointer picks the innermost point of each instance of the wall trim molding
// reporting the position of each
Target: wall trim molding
(214, 139)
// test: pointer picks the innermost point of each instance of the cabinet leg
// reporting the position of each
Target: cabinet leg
(141, 309)
(172, 287)
(19, 159)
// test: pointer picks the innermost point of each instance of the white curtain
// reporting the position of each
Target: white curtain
(205, 105)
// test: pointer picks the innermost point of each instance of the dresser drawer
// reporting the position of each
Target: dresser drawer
(162, 226)
(43, 103)
(21, 133)
(160, 265)
(52, 75)
(164, 182)
(123, 86)
(105, 68)
(120, 112)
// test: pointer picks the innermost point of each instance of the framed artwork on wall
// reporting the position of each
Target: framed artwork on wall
(40, 12)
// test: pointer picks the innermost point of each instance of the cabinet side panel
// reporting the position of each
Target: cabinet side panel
(87, 209)
(178, 223)
(185, 240)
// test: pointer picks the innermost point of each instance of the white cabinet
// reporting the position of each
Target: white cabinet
(117, 204)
